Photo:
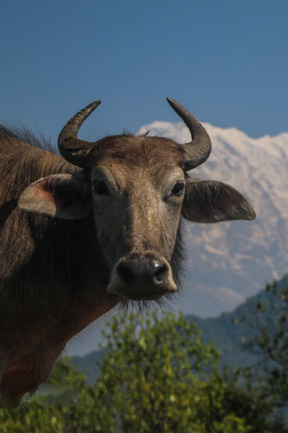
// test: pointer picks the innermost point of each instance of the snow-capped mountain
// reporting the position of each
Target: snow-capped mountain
(230, 261)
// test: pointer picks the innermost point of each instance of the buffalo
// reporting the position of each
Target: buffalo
(95, 226)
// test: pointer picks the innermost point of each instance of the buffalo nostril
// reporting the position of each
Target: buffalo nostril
(142, 272)
(126, 272)
(145, 277)
(160, 273)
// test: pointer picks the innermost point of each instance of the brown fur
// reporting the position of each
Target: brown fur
(47, 281)
(60, 272)
(53, 275)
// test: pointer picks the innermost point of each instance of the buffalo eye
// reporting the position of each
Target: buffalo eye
(178, 189)
(101, 188)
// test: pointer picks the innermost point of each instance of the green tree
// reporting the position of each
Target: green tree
(147, 376)
(268, 319)
(156, 377)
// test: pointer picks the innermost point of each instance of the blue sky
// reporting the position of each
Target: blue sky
(225, 60)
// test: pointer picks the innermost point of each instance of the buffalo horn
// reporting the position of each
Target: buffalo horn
(198, 150)
(70, 147)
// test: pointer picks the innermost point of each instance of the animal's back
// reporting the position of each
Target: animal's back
(42, 259)
(20, 165)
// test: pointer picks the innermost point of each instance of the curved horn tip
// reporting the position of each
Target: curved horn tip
(97, 102)
(171, 101)
(89, 108)
(94, 104)
(177, 107)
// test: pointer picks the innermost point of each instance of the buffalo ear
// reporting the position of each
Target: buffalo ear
(64, 196)
(210, 202)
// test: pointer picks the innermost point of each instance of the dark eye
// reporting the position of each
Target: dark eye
(178, 188)
(101, 188)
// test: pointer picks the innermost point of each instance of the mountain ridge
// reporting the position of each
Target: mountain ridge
(227, 335)
(228, 262)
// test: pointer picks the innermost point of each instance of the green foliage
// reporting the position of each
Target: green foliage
(270, 343)
(147, 374)
(156, 376)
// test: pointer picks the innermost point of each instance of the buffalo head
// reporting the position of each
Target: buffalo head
(137, 188)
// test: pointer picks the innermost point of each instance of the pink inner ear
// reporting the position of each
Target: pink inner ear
(41, 194)
(37, 199)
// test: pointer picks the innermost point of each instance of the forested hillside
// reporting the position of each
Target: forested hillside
(227, 332)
